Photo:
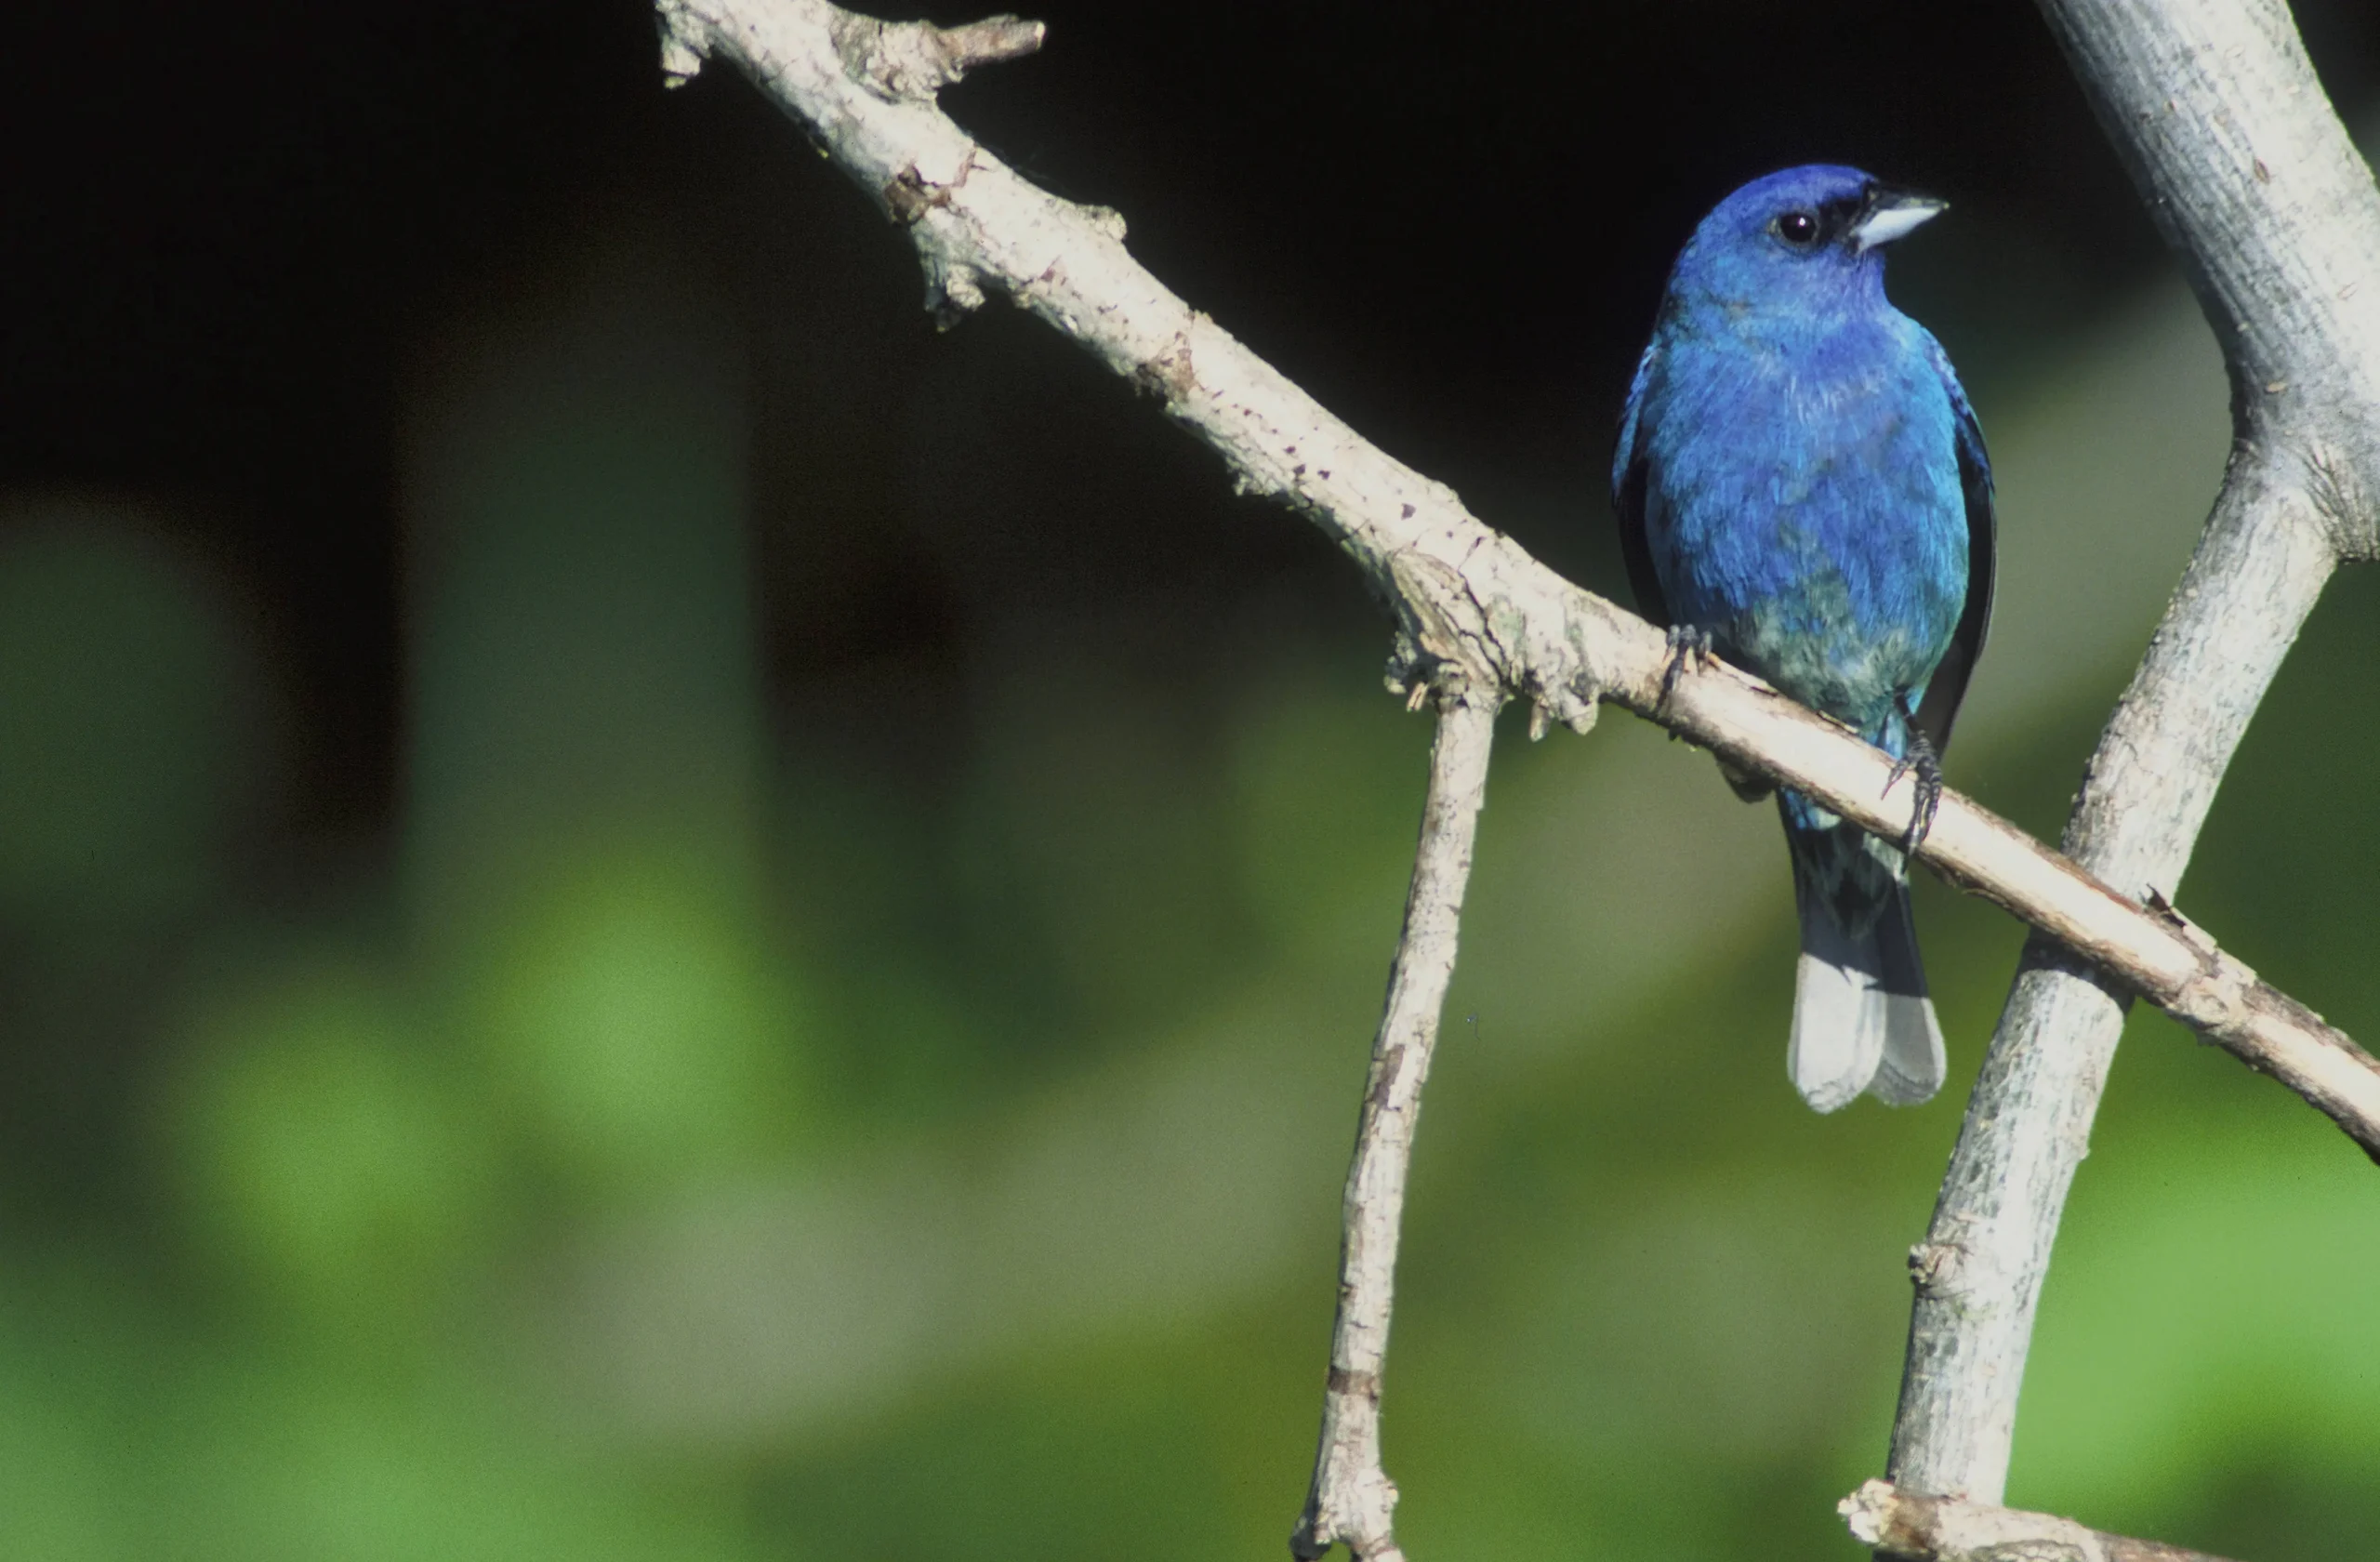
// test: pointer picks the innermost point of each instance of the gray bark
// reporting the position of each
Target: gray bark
(2254, 183)
(1352, 1499)
(1470, 604)
(1914, 1529)
(2250, 175)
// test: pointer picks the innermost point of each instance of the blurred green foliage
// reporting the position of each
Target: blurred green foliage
(128, 701)
(693, 1148)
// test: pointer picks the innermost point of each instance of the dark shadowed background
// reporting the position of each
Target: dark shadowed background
(649, 911)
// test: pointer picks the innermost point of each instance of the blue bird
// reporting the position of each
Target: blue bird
(1802, 489)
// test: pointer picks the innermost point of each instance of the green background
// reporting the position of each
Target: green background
(733, 1105)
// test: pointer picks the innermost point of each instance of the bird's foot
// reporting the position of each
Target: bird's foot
(1922, 759)
(1686, 641)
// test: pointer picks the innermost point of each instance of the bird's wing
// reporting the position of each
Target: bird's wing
(1948, 686)
(1628, 500)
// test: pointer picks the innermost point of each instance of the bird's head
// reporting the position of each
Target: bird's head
(1810, 239)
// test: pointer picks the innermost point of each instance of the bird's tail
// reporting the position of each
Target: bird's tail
(1861, 1018)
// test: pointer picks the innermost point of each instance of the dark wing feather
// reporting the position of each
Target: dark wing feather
(1628, 500)
(1628, 503)
(1940, 706)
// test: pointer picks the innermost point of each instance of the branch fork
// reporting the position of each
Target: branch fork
(1909, 1528)
(2284, 245)
(1466, 598)
(897, 60)
(916, 60)
(2247, 171)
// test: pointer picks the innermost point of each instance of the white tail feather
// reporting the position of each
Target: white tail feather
(1914, 1063)
(1850, 1035)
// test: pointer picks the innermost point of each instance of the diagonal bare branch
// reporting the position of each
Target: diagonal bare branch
(1469, 601)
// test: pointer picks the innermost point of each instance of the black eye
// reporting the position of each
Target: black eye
(1799, 229)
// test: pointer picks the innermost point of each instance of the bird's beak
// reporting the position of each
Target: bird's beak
(1890, 215)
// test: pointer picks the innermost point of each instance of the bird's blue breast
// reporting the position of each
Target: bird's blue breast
(1803, 502)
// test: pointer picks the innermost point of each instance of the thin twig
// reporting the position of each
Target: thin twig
(1913, 1529)
(2247, 170)
(1352, 1499)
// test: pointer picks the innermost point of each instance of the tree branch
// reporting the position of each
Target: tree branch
(2248, 172)
(1470, 603)
(2252, 178)
(1352, 1499)
(1913, 1529)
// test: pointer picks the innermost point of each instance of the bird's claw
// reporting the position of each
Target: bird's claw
(1926, 765)
(1686, 641)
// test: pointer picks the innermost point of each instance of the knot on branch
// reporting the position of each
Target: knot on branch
(1471, 644)
(2343, 484)
(2314, 436)
(1934, 1268)
(953, 291)
(954, 286)
(685, 42)
(1169, 374)
(1574, 702)
(1440, 641)
(1919, 1528)
(1956, 1272)
(909, 196)
(1360, 1514)
(912, 60)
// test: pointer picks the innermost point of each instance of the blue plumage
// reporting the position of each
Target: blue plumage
(1800, 479)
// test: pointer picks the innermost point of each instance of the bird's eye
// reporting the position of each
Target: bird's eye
(1798, 228)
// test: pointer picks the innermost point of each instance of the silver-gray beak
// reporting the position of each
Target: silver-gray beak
(1894, 216)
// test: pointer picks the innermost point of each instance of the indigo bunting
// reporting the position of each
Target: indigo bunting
(1802, 489)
